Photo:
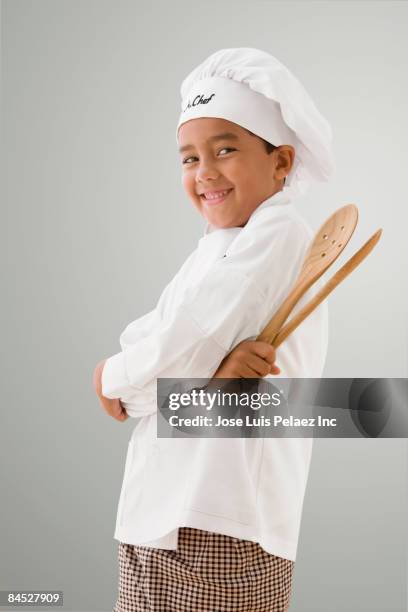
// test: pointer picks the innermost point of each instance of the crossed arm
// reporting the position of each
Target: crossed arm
(249, 359)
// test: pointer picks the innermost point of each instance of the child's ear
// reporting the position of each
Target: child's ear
(285, 156)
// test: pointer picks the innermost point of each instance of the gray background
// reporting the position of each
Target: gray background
(95, 223)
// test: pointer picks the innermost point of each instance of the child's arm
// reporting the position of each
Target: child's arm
(112, 406)
(232, 303)
(249, 359)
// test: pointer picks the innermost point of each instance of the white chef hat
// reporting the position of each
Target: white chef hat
(254, 90)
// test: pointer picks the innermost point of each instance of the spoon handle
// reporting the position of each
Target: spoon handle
(340, 275)
(271, 330)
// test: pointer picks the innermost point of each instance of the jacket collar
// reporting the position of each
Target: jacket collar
(277, 199)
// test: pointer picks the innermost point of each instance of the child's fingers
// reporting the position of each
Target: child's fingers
(264, 350)
(248, 372)
(259, 365)
(114, 408)
(123, 415)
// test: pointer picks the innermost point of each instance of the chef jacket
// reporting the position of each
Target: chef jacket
(225, 292)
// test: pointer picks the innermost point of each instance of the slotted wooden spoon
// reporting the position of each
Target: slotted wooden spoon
(331, 284)
(326, 246)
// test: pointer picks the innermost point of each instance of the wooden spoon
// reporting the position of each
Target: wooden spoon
(327, 245)
(340, 275)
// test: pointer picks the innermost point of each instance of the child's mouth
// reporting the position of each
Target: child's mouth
(216, 198)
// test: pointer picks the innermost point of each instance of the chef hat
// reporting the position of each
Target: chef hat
(254, 90)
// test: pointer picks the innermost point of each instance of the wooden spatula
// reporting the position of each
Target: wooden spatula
(327, 245)
(340, 275)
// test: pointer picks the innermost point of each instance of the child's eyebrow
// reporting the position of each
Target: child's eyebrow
(223, 136)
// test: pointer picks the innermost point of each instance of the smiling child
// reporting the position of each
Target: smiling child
(210, 524)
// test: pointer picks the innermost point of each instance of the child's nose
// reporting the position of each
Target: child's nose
(207, 170)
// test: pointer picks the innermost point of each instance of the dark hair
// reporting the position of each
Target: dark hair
(268, 146)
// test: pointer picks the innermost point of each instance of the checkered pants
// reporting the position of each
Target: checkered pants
(209, 572)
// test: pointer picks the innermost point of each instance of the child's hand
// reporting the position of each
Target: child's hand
(249, 359)
(112, 406)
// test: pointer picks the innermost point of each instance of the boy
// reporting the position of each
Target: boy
(209, 524)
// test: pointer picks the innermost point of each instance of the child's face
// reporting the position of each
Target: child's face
(238, 163)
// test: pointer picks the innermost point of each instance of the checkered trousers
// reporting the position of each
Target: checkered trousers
(209, 572)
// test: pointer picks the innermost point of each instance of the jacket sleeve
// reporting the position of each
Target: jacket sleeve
(234, 301)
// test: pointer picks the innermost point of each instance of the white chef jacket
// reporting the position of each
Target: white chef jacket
(225, 292)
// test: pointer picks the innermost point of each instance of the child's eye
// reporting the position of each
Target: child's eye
(226, 149)
(185, 161)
